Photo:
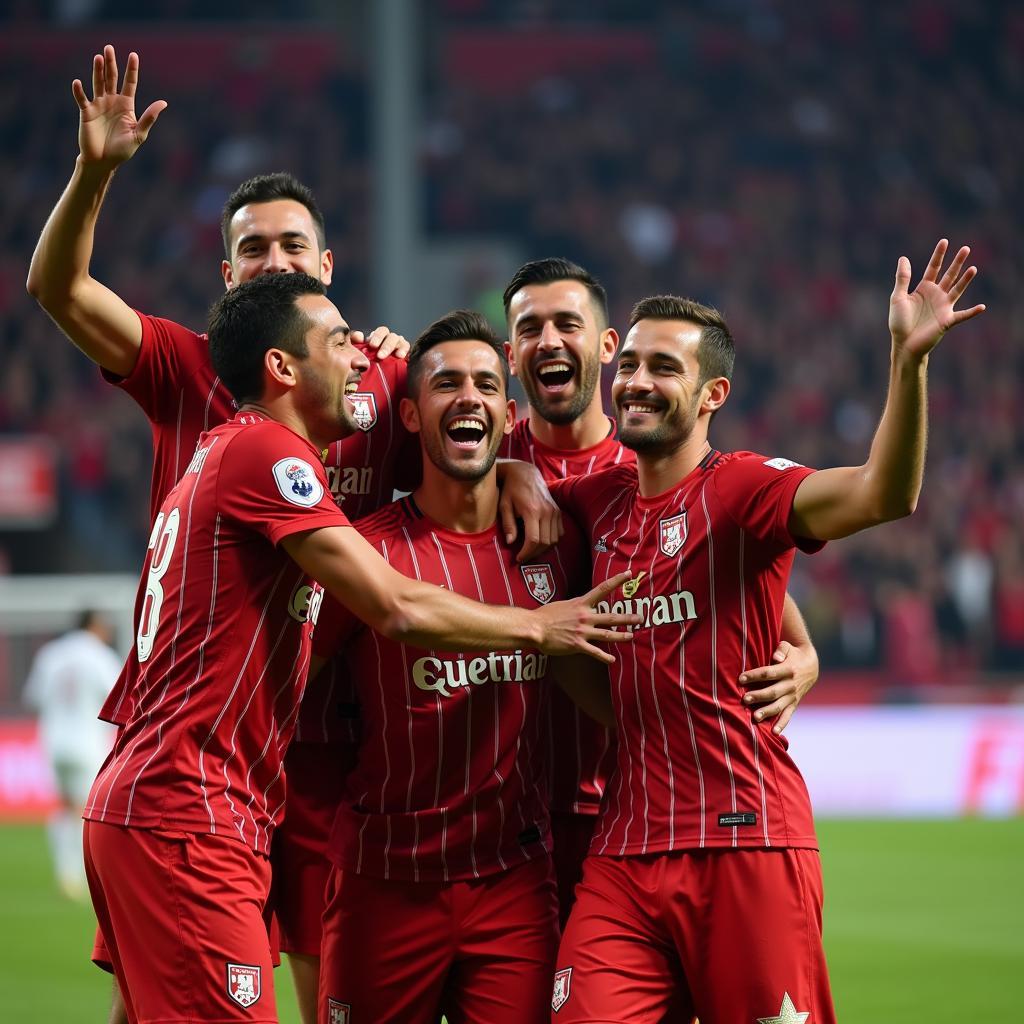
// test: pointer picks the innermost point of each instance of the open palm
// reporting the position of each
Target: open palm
(108, 131)
(919, 319)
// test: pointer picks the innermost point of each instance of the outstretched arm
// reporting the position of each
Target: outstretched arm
(99, 322)
(794, 670)
(834, 503)
(427, 616)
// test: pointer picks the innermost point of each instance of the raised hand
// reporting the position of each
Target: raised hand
(108, 131)
(919, 319)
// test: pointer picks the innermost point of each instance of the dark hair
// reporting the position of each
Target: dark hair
(716, 353)
(458, 325)
(88, 618)
(557, 269)
(265, 188)
(253, 317)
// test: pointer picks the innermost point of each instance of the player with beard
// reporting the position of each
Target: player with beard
(187, 803)
(559, 338)
(271, 224)
(443, 897)
(704, 855)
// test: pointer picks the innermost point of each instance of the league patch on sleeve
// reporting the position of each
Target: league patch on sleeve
(781, 464)
(297, 482)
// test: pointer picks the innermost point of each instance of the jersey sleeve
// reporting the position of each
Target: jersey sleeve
(271, 481)
(169, 354)
(757, 493)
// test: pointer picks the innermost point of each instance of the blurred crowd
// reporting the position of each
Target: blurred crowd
(771, 158)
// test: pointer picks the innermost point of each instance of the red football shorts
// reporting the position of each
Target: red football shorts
(724, 935)
(570, 834)
(181, 914)
(316, 784)
(400, 952)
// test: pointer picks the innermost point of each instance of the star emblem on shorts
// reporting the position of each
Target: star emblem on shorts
(787, 1014)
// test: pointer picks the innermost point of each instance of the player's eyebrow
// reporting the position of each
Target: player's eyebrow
(346, 330)
(533, 319)
(284, 235)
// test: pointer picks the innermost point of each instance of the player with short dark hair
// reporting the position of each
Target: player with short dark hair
(443, 897)
(559, 338)
(705, 852)
(188, 801)
(271, 224)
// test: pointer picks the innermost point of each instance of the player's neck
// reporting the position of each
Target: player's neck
(585, 431)
(462, 506)
(658, 473)
(281, 410)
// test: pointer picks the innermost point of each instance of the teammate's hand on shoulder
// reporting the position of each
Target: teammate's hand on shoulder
(383, 342)
(783, 684)
(108, 131)
(525, 496)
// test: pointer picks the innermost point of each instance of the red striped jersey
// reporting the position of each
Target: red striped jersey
(450, 781)
(709, 559)
(175, 385)
(223, 640)
(580, 751)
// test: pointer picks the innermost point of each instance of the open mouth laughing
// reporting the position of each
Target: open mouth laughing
(466, 432)
(555, 375)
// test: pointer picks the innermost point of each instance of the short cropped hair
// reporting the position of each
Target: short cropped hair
(265, 188)
(716, 353)
(458, 325)
(248, 320)
(551, 270)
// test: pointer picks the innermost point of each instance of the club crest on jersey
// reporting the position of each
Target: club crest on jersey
(560, 993)
(364, 409)
(600, 546)
(338, 1013)
(244, 984)
(672, 534)
(297, 482)
(540, 582)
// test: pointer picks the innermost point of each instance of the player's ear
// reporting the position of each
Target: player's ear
(716, 391)
(609, 344)
(510, 356)
(510, 417)
(278, 366)
(410, 415)
(326, 267)
(227, 273)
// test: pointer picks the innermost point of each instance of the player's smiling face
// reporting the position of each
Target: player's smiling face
(276, 237)
(655, 392)
(332, 369)
(461, 410)
(556, 347)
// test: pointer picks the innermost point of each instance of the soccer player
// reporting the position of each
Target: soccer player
(559, 338)
(704, 855)
(69, 679)
(270, 224)
(443, 896)
(187, 802)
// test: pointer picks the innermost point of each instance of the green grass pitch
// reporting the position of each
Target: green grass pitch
(922, 920)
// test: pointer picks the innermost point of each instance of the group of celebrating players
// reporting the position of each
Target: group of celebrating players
(428, 826)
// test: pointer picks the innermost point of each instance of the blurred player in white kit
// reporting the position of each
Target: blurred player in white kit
(67, 684)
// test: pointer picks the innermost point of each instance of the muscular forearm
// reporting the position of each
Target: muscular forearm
(894, 471)
(64, 251)
(794, 629)
(428, 616)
